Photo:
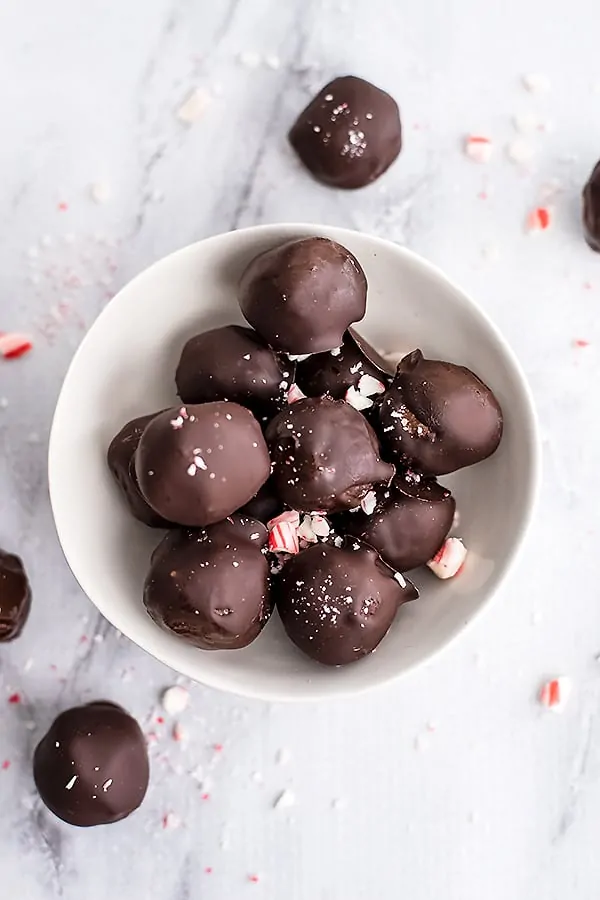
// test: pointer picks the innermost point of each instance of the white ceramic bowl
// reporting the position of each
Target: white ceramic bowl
(125, 367)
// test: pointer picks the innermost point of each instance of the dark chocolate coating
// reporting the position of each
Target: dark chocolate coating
(591, 209)
(15, 596)
(211, 586)
(333, 374)
(265, 506)
(120, 457)
(349, 134)
(408, 525)
(91, 768)
(233, 363)
(336, 604)
(439, 417)
(325, 455)
(302, 296)
(197, 464)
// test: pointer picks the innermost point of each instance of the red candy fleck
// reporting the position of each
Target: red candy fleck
(218, 747)
(538, 219)
(63, 207)
(13, 345)
(6, 764)
(581, 343)
(14, 698)
(160, 720)
(205, 796)
(208, 870)
(253, 878)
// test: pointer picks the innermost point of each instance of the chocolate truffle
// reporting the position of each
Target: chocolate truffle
(408, 525)
(302, 296)
(211, 586)
(265, 505)
(233, 363)
(15, 596)
(120, 457)
(91, 768)
(325, 455)
(333, 373)
(591, 209)
(198, 463)
(349, 134)
(336, 604)
(439, 417)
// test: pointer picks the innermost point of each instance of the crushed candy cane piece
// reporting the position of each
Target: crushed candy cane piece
(357, 400)
(369, 502)
(450, 559)
(283, 538)
(305, 531)
(536, 83)
(14, 345)
(520, 151)
(538, 219)
(179, 733)
(175, 699)
(284, 800)
(295, 393)
(298, 357)
(320, 526)
(554, 694)
(368, 386)
(171, 820)
(478, 148)
(400, 579)
(193, 108)
(290, 515)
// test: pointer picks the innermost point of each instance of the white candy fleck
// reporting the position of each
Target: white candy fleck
(356, 399)
(284, 800)
(536, 83)
(175, 699)
(70, 784)
(193, 108)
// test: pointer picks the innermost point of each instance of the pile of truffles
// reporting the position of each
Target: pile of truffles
(298, 471)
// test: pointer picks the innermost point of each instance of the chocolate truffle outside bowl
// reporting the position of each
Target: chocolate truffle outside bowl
(125, 367)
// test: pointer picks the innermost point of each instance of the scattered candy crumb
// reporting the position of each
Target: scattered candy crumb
(478, 148)
(175, 699)
(539, 219)
(520, 151)
(536, 83)
(14, 345)
(284, 800)
(195, 105)
(450, 559)
(254, 879)
(171, 820)
(5, 764)
(14, 698)
(554, 694)
(100, 192)
(357, 400)
(579, 342)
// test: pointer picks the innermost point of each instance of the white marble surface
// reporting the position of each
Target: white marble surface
(453, 783)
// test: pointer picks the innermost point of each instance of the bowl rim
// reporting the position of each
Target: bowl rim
(530, 498)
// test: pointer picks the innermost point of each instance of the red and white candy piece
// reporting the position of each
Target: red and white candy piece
(305, 531)
(369, 386)
(13, 345)
(539, 219)
(295, 393)
(554, 694)
(478, 148)
(450, 559)
(283, 532)
(357, 400)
